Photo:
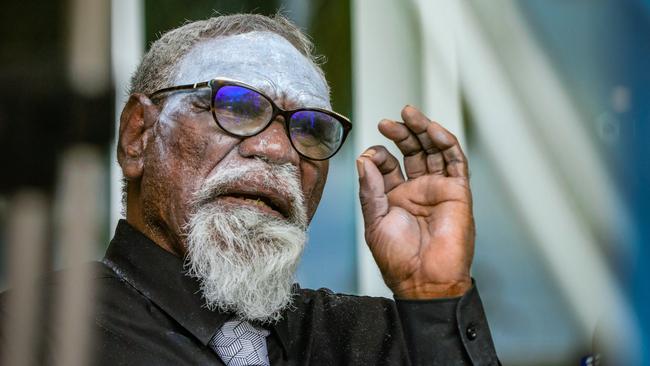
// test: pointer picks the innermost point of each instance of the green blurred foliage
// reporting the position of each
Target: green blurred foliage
(330, 30)
(163, 15)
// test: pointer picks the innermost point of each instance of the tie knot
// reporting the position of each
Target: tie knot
(239, 343)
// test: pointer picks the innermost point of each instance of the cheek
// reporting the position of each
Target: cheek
(190, 144)
(181, 154)
(314, 176)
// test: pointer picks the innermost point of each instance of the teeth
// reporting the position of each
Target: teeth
(257, 201)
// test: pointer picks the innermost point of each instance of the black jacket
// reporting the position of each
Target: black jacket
(148, 312)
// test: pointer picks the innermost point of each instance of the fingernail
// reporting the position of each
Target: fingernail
(360, 168)
(370, 153)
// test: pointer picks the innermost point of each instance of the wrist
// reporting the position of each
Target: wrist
(429, 291)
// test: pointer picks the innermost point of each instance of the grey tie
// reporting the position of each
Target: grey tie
(238, 343)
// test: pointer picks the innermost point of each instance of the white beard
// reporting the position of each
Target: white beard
(245, 259)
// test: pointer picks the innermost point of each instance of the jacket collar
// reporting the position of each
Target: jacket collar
(160, 276)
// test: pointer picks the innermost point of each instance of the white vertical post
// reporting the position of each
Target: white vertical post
(127, 47)
(79, 189)
(386, 69)
(403, 53)
(87, 47)
(441, 90)
(27, 228)
(78, 214)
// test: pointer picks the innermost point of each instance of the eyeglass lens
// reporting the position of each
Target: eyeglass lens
(241, 111)
(315, 134)
(245, 112)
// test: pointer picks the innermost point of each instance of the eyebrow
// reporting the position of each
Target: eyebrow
(273, 90)
(203, 94)
(269, 87)
(326, 101)
(293, 97)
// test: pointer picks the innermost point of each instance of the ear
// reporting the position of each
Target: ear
(138, 115)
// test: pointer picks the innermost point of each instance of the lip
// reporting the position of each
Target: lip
(272, 201)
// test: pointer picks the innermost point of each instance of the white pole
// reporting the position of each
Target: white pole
(27, 229)
(78, 218)
(127, 47)
(386, 70)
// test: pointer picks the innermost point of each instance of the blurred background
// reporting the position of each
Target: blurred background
(549, 98)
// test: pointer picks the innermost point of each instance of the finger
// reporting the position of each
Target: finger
(454, 158)
(436, 164)
(388, 166)
(418, 123)
(374, 202)
(415, 162)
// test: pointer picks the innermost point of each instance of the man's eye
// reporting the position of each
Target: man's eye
(200, 106)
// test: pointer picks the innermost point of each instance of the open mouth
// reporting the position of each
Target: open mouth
(271, 205)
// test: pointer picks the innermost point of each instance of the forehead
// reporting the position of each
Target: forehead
(262, 59)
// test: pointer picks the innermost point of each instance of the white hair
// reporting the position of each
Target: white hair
(158, 66)
(245, 259)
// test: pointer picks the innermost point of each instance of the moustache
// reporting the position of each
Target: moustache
(276, 187)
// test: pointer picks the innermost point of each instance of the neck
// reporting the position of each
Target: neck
(155, 230)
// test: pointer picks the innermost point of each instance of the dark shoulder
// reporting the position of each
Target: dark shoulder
(127, 328)
(348, 329)
(108, 291)
(344, 309)
(333, 301)
(97, 271)
(108, 288)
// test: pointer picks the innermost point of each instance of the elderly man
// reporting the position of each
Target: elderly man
(224, 146)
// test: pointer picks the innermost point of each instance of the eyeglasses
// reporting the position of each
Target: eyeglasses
(243, 111)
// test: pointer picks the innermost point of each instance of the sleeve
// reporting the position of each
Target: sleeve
(451, 331)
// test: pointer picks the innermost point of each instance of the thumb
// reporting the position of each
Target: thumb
(374, 203)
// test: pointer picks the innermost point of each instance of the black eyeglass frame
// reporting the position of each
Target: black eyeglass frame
(218, 83)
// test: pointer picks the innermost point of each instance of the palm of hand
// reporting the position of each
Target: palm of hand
(420, 230)
(416, 242)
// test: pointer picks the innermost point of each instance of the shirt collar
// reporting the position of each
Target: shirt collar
(160, 276)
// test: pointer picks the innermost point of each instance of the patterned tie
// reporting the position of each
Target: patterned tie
(238, 343)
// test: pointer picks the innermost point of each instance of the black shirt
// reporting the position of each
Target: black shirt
(148, 312)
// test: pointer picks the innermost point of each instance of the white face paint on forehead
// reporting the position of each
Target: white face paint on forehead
(264, 60)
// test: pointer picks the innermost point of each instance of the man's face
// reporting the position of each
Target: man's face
(187, 147)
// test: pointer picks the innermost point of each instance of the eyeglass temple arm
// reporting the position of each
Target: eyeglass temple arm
(180, 87)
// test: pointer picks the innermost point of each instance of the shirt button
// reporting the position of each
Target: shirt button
(471, 332)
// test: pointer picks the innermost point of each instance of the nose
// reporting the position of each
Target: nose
(272, 145)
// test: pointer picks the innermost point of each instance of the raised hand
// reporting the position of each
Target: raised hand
(419, 230)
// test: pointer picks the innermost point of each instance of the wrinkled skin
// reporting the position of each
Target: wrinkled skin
(167, 151)
(420, 231)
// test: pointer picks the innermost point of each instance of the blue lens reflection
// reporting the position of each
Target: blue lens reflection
(241, 111)
(315, 134)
